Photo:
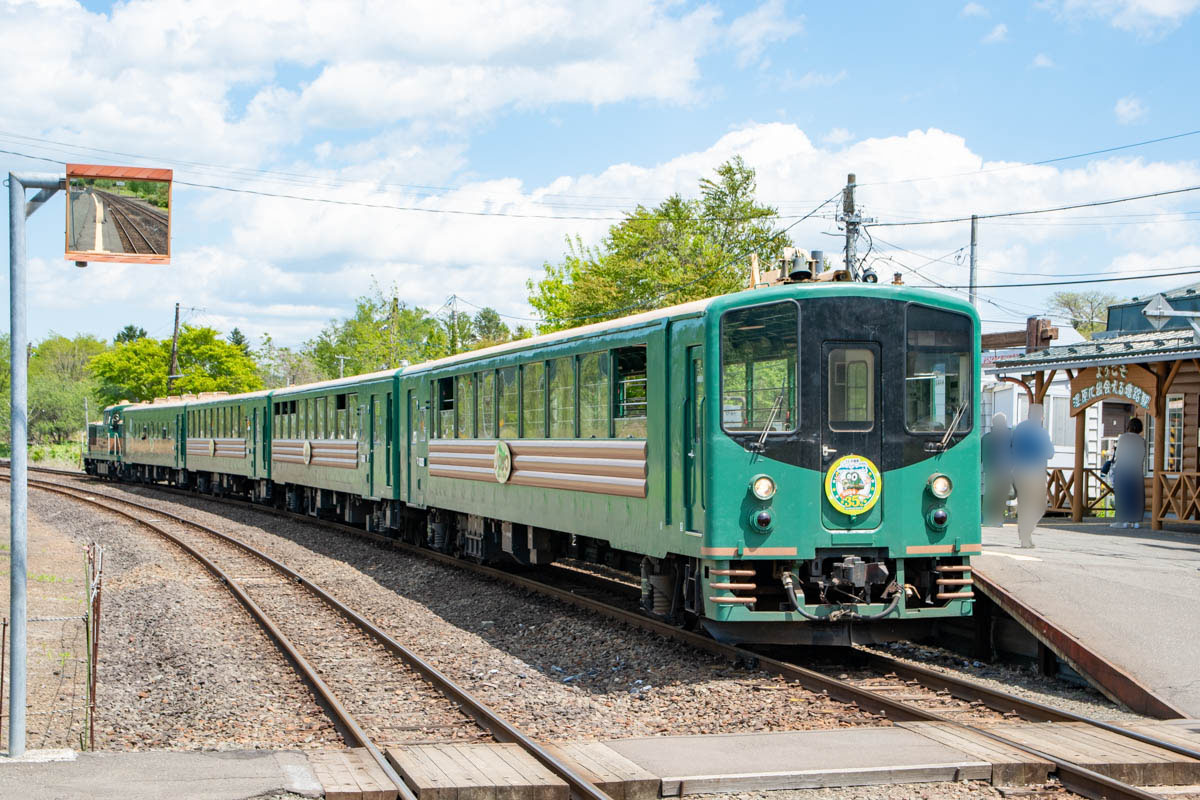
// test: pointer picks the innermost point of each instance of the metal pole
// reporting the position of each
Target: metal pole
(19, 486)
(173, 368)
(974, 227)
(851, 226)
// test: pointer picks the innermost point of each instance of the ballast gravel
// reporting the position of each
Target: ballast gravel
(556, 672)
(182, 664)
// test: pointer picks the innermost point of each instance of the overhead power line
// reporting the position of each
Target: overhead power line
(1193, 269)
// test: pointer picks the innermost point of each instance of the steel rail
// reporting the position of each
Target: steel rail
(1073, 776)
(119, 211)
(484, 715)
(352, 731)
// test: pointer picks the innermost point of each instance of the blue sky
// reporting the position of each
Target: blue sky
(581, 109)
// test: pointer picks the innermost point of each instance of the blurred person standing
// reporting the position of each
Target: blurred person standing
(1128, 469)
(1031, 449)
(997, 469)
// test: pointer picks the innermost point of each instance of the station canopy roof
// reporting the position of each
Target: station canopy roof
(1130, 348)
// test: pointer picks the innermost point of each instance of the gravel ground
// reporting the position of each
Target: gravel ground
(962, 790)
(1022, 681)
(556, 672)
(182, 665)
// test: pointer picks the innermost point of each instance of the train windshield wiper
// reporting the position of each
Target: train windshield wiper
(962, 410)
(762, 437)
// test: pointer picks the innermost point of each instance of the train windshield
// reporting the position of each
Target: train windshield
(938, 370)
(759, 354)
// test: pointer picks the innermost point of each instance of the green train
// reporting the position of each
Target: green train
(790, 464)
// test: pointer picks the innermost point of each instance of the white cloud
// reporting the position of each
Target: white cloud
(811, 80)
(1144, 17)
(1042, 61)
(750, 33)
(996, 34)
(1129, 110)
(837, 136)
(973, 10)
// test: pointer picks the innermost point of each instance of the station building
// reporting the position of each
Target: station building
(1145, 364)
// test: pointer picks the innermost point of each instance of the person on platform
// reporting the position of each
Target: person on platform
(1127, 470)
(997, 469)
(1031, 449)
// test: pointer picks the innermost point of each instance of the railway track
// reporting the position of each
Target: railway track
(132, 232)
(893, 689)
(369, 696)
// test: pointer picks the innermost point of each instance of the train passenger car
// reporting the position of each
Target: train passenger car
(780, 463)
(224, 445)
(153, 432)
(331, 448)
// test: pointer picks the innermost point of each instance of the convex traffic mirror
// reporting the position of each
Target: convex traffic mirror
(118, 214)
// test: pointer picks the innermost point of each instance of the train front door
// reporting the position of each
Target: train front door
(851, 436)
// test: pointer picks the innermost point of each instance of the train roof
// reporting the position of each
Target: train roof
(349, 380)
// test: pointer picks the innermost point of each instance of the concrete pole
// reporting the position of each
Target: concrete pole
(851, 227)
(173, 368)
(974, 227)
(19, 486)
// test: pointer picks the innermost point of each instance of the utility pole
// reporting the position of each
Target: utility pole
(974, 227)
(173, 370)
(453, 324)
(342, 365)
(852, 220)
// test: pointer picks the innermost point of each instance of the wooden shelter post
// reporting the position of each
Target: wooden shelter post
(1078, 481)
(1160, 446)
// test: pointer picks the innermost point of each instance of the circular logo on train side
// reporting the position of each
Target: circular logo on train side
(503, 461)
(853, 485)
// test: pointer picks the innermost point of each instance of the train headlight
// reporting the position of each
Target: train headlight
(763, 487)
(941, 486)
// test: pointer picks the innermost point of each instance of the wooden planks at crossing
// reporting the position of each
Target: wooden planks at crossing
(351, 775)
(475, 772)
(611, 772)
(1010, 766)
(1108, 753)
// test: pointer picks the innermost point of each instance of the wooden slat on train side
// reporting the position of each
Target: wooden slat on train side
(1107, 753)
(612, 772)
(1010, 766)
(475, 772)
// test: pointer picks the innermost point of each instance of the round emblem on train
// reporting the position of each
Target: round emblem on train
(503, 461)
(852, 484)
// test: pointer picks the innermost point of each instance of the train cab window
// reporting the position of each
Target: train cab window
(851, 389)
(759, 357)
(561, 380)
(487, 404)
(533, 400)
(938, 369)
(464, 390)
(445, 408)
(629, 410)
(593, 396)
(509, 402)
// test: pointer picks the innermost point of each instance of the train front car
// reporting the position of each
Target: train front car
(842, 488)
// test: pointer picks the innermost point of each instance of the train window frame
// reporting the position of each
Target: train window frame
(967, 423)
(628, 363)
(352, 416)
(485, 403)
(445, 415)
(871, 387)
(602, 394)
(567, 408)
(503, 383)
(533, 414)
(747, 391)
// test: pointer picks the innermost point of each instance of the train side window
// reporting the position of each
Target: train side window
(445, 408)
(506, 410)
(339, 426)
(851, 389)
(487, 404)
(464, 391)
(319, 422)
(562, 397)
(533, 400)
(593, 396)
(759, 356)
(629, 410)
(352, 416)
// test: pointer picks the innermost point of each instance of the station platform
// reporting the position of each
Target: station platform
(1129, 596)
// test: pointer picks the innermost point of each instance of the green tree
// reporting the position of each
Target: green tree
(383, 333)
(59, 385)
(1088, 311)
(488, 329)
(683, 249)
(137, 370)
(282, 366)
(130, 333)
(238, 339)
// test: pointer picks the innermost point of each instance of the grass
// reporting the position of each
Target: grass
(65, 455)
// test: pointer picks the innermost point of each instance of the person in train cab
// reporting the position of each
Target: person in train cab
(1128, 467)
(996, 445)
(1031, 449)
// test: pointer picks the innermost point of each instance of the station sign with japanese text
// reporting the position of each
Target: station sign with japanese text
(1125, 383)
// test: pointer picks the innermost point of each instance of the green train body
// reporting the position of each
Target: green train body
(791, 464)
